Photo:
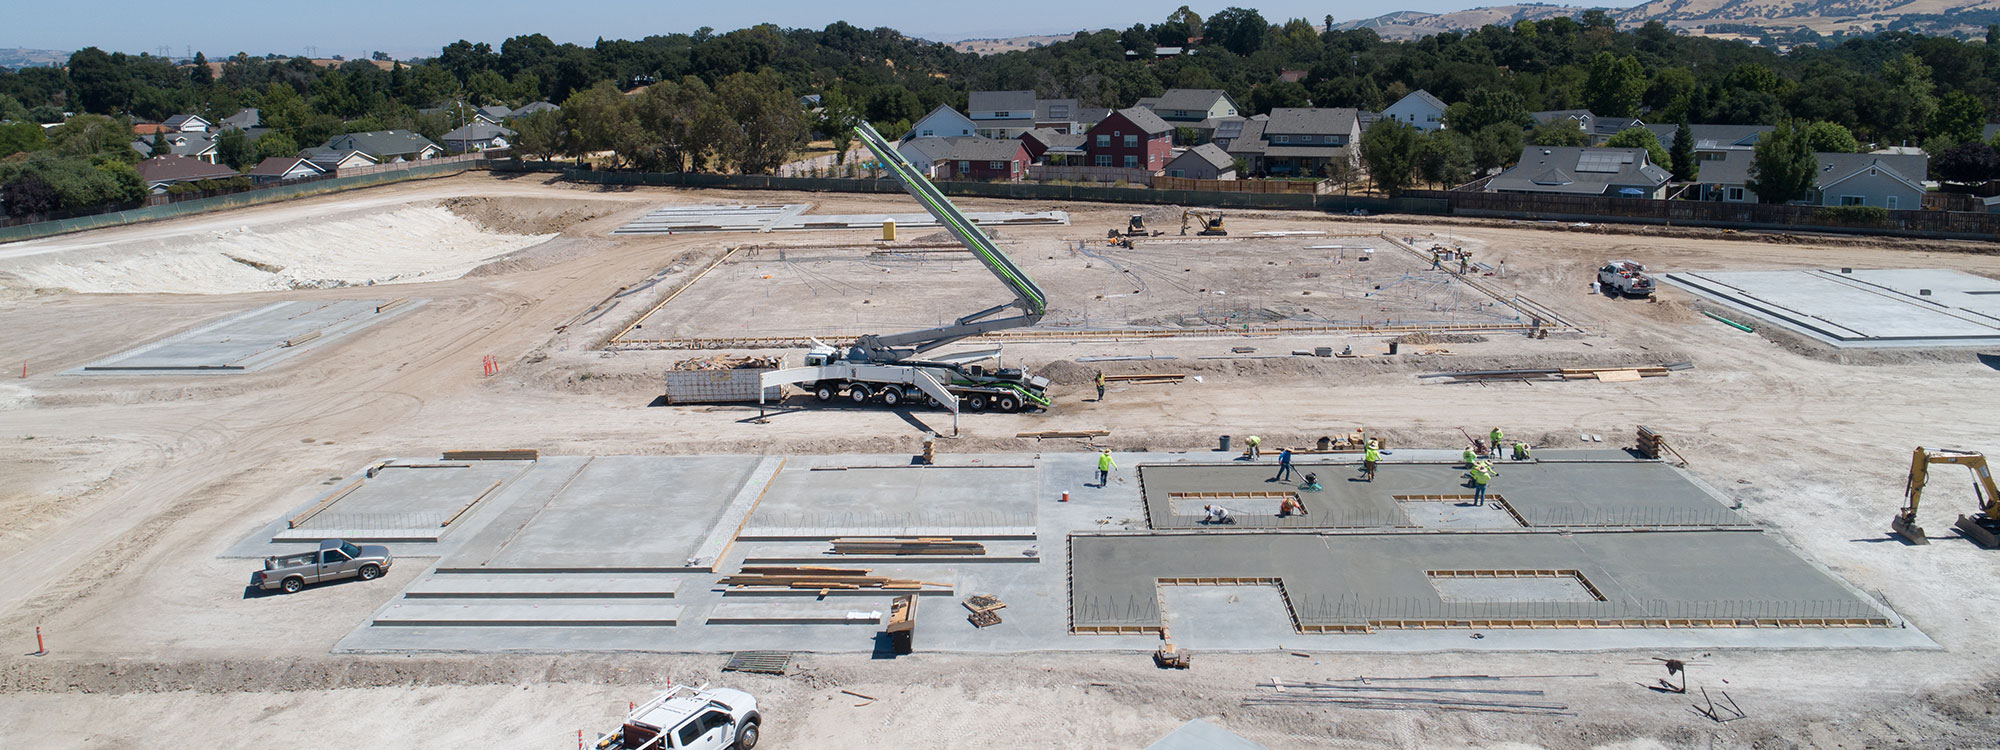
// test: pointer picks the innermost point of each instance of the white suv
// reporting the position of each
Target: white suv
(691, 718)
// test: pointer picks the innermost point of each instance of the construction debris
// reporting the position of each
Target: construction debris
(918, 546)
(727, 362)
(985, 609)
(902, 623)
(1171, 656)
(1719, 713)
(1147, 379)
(759, 662)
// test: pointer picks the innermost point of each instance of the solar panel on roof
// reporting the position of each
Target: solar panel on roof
(1602, 161)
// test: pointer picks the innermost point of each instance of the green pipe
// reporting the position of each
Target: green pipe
(1730, 323)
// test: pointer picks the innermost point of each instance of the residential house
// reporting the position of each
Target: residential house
(1299, 140)
(1891, 181)
(1419, 109)
(1204, 162)
(284, 169)
(148, 129)
(1583, 170)
(197, 145)
(943, 122)
(333, 159)
(1196, 109)
(923, 153)
(1229, 129)
(1713, 142)
(533, 107)
(982, 159)
(477, 136)
(1059, 115)
(387, 145)
(1001, 114)
(1600, 129)
(160, 172)
(1161, 53)
(1131, 138)
(1046, 146)
(811, 101)
(187, 124)
(244, 119)
(493, 114)
(465, 113)
(1292, 75)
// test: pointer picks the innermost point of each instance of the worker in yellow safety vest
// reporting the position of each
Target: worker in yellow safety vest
(1520, 451)
(1468, 457)
(1104, 467)
(1493, 441)
(1482, 473)
(1253, 441)
(1369, 458)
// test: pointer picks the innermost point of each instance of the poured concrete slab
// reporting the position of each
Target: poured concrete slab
(444, 612)
(639, 513)
(1862, 308)
(400, 497)
(1201, 735)
(252, 340)
(839, 612)
(1542, 494)
(793, 216)
(543, 586)
(1208, 618)
(816, 499)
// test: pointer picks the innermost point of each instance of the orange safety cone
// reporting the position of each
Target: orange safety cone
(1065, 497)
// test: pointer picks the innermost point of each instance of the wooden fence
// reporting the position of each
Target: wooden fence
(1054, 172)
(1958, 224)
(1305, 187)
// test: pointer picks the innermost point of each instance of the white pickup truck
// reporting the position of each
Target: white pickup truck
(689, 718)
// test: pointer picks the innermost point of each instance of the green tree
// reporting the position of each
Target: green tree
(1829, 137)
(90, 135)
(1558, 132)
(1484, 107)
(599, 119)
(1910, 104)
(274, 143)
(17, 137)
(1238, 30)
(837, 118)
(1389, 148)
(199, 72)
(538, 134)
(99, 82)
(1269, 96)
(1783, 168)
(233, 148)
(682, 122)
(1444, 157)
(1497, 145)
(1959, 118)
(766, 123)
(1682, 157)
(1616, 86)
(1641, 138)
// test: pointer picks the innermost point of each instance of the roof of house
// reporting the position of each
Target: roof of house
(932, 148)
(1148, 102)
(278, 166)
(533, 107)
(1228, 127)
(496, 111)
(1313, 120)
(1211, 153)
(244, 119)
(1368, 118)
(1579, 170)
(1024, 123)
(173, 168)
(1614, 125)
(381, 143)
(1713, 137)
(1560, 114)
(179, 144)
(1425, 97)
(1734, 167)
(1189, 99)
(1044, 107)
(1092, 115)
(148, 128)
(980, 149)
(1054, 141)
(332, 157)
(1251, 139)
(477, 131)
(1001, 101)
(1146, 120)
(178, 121)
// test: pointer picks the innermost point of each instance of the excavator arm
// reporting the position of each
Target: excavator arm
(1028, 297)
(1983, 527)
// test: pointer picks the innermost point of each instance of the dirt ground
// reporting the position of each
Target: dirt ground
(117, 493)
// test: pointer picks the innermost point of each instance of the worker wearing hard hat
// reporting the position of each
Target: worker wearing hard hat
(1253, 441)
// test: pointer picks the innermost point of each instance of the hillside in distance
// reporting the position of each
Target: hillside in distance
(1745, 19)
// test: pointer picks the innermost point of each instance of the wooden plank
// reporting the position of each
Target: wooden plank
(1063, 434)
(391, 304)
(323, 504)
(475, 501)
(1617, 376)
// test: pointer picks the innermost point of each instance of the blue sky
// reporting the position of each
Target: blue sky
(419, 27)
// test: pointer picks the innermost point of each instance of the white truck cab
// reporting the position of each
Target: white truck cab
(690, 718)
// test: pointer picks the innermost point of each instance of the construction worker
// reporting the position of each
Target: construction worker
(1493, 441)
(1100, 385)
(1520, 451)
(1482, 473)
(1468, 457)
(1437, 259)
(1284, 465)
(1370, 457)
(1216, 514)
(1253, 441)
(1104, 467)
(1464, 262)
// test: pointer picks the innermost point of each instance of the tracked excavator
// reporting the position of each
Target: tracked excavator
(897, 368)
(1983, 527)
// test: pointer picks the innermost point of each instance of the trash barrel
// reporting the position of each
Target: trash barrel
(1225, 444)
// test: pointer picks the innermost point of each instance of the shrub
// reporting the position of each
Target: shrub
(1857, 215)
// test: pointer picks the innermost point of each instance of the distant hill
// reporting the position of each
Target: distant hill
(1010, 44)
(24, 58)
(1746, 19)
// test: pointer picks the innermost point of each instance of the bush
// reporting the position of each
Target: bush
(1855, 215)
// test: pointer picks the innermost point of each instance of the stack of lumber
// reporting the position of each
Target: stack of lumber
(1063, 434)
(1613, 374)
(918, 546)
(1147, 378)
(816, 577)
(985, 609)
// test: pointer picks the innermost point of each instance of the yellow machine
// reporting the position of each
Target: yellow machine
(1211, 222)
(1983, 528)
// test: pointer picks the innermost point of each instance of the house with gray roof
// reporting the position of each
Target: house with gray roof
(1891, 181)
(1583, 170)
(1299, 140)
(1713, 142)
(244, 119)
(1199, 110)
(1204, 162)
(387, 145)
(1600, 129)
(943, 122)
(533, 107)
(477, 136)
(982, 159)
(1419, 109)
(1047, 146)
(187, 124)
(1001, 114)
(197, 145)
(284, 169)
(161, 172)
(333, 159)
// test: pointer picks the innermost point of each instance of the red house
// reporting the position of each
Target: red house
(1131, 138)
(982, 159)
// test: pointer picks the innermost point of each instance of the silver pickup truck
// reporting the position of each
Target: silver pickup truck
(334, 560)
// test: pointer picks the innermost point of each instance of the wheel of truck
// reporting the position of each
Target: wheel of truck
(824, 393)
(371, 572)
(858, 394)
(1006, 403)
(892, 396)
(293, 584)
(976, 402)
(747, 739)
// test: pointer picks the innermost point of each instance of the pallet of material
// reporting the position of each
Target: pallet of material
(1063, 434)
(927, 546)
(513, 454)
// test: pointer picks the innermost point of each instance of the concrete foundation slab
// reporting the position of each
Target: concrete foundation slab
(793, 216)
(1862, 308)
(438, 612)
(961, 502)
(542, 586)
(1216, 617)
(635, 513)
(252, 340)
(842, 612)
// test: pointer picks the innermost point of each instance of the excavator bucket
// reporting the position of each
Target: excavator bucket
(1906, 527)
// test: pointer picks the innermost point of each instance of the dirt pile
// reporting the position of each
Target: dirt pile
(529, 216)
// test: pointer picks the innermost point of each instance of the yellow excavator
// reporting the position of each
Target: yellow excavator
(1983, 528)
(1211, 223)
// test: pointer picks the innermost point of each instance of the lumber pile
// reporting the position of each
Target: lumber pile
(1613, 374)
(1147, 378)
(1063, 434)
(1626, 373)
(728, 362)
(511, 454)
(918, 546)
(985, 609)
(821, 578)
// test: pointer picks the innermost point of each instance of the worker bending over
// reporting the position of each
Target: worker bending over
(1252, 442)
(1468, 457)
(1217, 514)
